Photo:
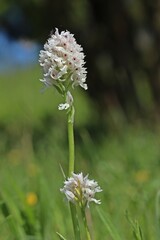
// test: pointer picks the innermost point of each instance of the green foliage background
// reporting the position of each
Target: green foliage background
(33, 145)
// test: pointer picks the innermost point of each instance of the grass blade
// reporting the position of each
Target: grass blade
(60, 236)
(109, 226)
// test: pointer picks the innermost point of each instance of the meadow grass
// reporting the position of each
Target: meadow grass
(33, 146)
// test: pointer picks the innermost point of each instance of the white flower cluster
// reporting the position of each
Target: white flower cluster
(81, 190)
(63, 63)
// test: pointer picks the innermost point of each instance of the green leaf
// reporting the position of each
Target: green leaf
(137, 232)
(4, 208)
(108, 224)
(60, 236)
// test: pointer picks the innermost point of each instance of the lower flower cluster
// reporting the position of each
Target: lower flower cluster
(81, 190)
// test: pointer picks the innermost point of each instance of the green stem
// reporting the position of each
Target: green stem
(71, 169)
(85, 223)
(71, 146)
(75, 221)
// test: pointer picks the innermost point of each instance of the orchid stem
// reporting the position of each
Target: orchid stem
(85, 223)
(70, 171)
(71, 147)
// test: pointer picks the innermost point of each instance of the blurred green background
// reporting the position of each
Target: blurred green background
(117, 131)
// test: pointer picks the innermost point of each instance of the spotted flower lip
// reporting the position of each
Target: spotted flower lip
(81, 190)
(62, 61)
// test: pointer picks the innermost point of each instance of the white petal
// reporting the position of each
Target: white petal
(63, 106)
(70, 196)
